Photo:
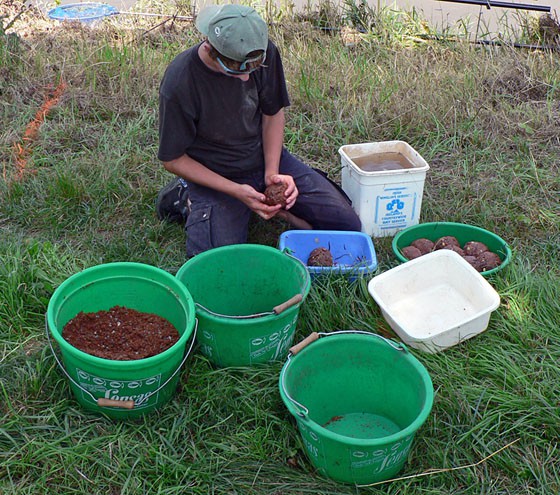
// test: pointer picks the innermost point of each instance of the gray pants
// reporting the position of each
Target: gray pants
(217, 219)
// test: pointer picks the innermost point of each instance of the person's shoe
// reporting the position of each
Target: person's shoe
(172, 201)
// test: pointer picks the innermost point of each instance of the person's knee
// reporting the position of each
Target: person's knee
(353, 221)
(198, 231)
(216, 225)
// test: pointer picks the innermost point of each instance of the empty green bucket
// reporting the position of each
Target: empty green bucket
(122, 389)
(247, 299)
(358, 400)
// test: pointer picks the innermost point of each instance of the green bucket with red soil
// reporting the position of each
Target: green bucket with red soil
(122, 389)
(247, 299)
(358, 400)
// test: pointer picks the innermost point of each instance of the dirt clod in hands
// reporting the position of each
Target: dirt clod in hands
(275, 194)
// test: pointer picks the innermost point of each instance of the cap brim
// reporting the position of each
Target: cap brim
(204, 17)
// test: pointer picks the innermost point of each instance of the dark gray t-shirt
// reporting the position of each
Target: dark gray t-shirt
(217, 119)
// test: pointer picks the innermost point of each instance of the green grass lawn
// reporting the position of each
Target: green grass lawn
(81, 191)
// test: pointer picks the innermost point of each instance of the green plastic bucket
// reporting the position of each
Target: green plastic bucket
(122, 389)
(247, 299)
(358, 400)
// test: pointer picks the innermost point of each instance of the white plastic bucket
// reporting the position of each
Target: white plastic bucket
(387, 201)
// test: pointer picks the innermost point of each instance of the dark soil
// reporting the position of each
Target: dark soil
(120, 334)
(275, 194)
(320, 257)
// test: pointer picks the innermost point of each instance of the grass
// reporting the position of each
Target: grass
(484, 117)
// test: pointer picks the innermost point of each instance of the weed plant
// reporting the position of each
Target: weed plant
(82, 193)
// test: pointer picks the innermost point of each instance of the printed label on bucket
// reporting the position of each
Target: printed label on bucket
(208, 345)
(275, 344)
(312, 444)
(136, 390)
(381, 459)
(395, 208)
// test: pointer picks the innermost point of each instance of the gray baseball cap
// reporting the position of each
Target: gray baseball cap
(233, 30)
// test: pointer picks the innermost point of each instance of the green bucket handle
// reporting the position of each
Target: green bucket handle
(312, 337)
(124, 404)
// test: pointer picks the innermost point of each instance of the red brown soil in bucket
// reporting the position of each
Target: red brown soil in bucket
(120, 334)
(332, 420)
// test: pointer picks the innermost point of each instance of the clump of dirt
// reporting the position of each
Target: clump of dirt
(275, 194)
(488, 261)
(424, 245)
(320, 257)
(120, 334)
(473, 261)
(549, 28)
(411, 252)
(446, 242)
(475, 248)
(457, 249)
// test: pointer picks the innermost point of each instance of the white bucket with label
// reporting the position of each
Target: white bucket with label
(385, 181)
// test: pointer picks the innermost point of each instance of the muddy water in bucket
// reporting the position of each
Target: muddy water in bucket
(247, 299)
(358, 400)
(375, 162)
(122, 389)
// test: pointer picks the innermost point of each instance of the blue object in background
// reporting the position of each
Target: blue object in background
(84, 12)
(353, 252)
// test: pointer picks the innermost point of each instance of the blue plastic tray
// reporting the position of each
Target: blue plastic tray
(353, 252)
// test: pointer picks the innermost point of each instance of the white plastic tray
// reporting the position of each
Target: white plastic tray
(435, 301)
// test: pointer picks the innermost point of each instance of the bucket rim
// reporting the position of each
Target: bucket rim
(245, 247)
(411, 429)
(423, 168)
(235, 247)
(183, 297)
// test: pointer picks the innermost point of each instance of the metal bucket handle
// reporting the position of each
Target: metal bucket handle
(123, 404)
(312, 337)
(275, 311)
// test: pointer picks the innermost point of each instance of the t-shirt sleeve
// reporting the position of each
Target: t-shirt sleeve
(273, 92)
(177, 129)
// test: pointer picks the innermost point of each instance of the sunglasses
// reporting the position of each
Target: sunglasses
(243, 69)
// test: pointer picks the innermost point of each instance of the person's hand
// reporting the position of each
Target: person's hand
(291, 192)
(255, 201)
